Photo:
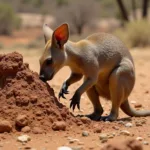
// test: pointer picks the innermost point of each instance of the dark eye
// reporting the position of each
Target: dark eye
(49, 61)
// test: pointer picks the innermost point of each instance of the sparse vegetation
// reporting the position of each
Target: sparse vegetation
(34, 44)
(8, 19)
(77, 14)
(135, 34)
(1, 46)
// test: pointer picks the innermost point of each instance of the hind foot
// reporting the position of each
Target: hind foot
(108, 118)
(94, 116)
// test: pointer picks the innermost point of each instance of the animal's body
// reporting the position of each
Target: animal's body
(104, 62)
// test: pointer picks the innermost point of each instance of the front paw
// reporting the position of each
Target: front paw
(63, 90)
(75, 101)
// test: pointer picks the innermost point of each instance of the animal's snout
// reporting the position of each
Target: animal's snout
(42, 77)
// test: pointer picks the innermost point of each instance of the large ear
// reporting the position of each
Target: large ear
(61, 35)
(47, 32)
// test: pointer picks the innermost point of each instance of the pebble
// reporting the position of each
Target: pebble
(97, 128)
(59, 125)
(145, 142)
(64, 148)
(77, 148)
(139, 138)
(115, 127)
(86, 120)
(138, 105)
(22, 120)
(137, 123)
(27, 147)
(23, 138)
(121, 122)
(125, 132)
(110, 136)
(103, 137)
(80, 143)
(73, 141)
(85, 133)
(133, 102)
(128, 124)
(5, 126)
(37, 130)
(26, 129)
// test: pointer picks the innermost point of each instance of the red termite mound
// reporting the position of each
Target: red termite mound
(27, 103)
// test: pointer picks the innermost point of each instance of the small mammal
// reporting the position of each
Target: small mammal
(104, 62)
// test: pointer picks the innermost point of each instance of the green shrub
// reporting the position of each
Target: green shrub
(135, 34)
(8, 19)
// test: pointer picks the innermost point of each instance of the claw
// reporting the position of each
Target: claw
(66, 92)
(63, 91)
(63, 96)
(75, 101)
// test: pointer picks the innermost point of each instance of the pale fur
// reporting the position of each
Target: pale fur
(108, 70)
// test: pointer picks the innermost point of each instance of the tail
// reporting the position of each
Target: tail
(126, 108)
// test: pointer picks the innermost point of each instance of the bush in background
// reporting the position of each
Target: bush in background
(8, 19)
(135, 34)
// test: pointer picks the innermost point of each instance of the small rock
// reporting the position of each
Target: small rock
(115, 127)
(110, 136)
(103, 137)
(133, 102)
(77, 148)
(37, 130)
(145, 142)
(85, 120)
(5, 126)
(139, 138)
(137, 123)
(121, 122)
(80, 143)
(33, 99)
(26, 129)
(128, 124)
(138, 105)
(97, 130)
(129, 144)
(73, 141)
(59, 125)
(23, 138)
(85, 133)
(27, 147)
(64, 148)
(22, 120)
(125, 132)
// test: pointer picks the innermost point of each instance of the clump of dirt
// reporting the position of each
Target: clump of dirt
(25, 101)
(130, 144)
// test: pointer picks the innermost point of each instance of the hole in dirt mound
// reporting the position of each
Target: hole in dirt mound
(26, 103)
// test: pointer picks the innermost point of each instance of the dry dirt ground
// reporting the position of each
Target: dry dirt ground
(54, 139)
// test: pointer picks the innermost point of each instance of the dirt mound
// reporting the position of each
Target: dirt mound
(130, 144)
(26, 103)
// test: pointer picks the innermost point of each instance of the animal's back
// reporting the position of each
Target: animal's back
(110, 52)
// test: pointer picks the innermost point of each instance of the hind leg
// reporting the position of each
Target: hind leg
(121, 83)
(117, 96)
(94, 98)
